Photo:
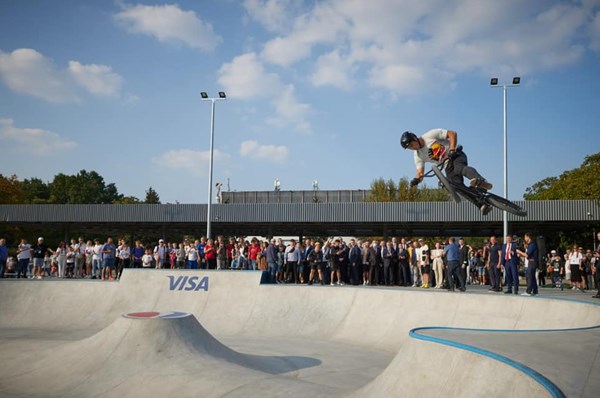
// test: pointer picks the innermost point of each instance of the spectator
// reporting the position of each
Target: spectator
(221, 253)
(180, 254)
(96, 260)
(23, 258)
(161, 254)
(193, 257)
(210, 254)
(315, 261)
(109, 254)
(464, 260)
(89, 258)
(71, 254)
(556, 269)
(510, 261)
(531, 254)
(423, 260)
(403, 265)
(355, 262)
(137, 253)
(3, 257)
(494, 265)
(387, 255)
(61, 258)
(124, 253)
(437, 255)
(415, 272)
(271, 255)
(39, 251)
(292, 256)
(79, 249)
(279, 275)
(253, 251)
(147, 259)
(575, 264)
(596, 267)
(452, 254)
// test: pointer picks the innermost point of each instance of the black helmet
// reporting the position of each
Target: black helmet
(407, 138)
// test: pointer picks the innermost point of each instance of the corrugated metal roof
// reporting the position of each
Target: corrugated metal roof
(542, 211)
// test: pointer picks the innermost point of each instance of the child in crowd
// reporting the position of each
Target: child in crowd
(556, 269)
(147, 259)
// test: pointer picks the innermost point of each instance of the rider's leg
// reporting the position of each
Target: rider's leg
(462, 168)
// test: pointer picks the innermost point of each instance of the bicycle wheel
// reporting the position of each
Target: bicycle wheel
(504, 204)
(446, 183)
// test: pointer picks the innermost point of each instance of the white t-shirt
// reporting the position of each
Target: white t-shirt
(97, 252)
(193, 254)
(147, 260)
(24, 252)
(124, 252)
(435, 150)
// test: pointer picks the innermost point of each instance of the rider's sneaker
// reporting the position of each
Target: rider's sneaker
(480, 182)
(485, 209)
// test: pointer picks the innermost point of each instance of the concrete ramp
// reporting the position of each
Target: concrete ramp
(146, 354)
(223, 334)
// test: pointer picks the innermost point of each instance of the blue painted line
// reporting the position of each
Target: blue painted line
(539, 378)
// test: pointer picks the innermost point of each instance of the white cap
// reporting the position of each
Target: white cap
(161, 241)
(40, 238)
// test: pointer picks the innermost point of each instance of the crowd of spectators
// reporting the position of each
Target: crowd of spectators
(393, 262)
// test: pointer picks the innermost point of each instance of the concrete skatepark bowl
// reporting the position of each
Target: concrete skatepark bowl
(177, 333)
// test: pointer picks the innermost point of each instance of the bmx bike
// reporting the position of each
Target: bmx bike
(478, 196)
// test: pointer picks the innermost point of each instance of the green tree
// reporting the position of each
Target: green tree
(11, 191)
(82, 188)
(152, 196)
(579, 183)
(127, 200)
(382, 191)
(36, 191)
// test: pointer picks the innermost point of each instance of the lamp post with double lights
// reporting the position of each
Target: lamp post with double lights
(516, 81)
(205, 97)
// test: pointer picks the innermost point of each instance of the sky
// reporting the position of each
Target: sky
(316, 90)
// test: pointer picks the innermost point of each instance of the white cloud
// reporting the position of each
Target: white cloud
(245, 77)
(26, 71)
(290, 111)
(169, 24)
(97, 79)
(254, 150)
(401, 46)
(595, 32)
(273, 15)
(333, 70)
(33, 141)
(194, 162)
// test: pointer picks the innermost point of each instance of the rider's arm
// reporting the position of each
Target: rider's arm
(452, 137)
(420, 173)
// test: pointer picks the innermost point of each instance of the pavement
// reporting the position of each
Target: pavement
(223, 334)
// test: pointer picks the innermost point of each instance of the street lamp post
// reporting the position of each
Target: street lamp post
(205, 97)
(515, 83)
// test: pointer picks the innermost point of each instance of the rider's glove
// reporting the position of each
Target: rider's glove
(414, 182)
(453, 154)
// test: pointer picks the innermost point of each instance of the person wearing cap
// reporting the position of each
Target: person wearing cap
(39, 251)
(160, 254)
(556, 265)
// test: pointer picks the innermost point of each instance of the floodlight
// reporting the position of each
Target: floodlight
(494, 81)
(516, 80)
(204, 95)
(222, 94)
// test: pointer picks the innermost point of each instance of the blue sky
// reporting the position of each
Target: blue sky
(316, 90)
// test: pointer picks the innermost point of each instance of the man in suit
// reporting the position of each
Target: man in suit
(387, 254)
(355, 259)
(510, 261)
